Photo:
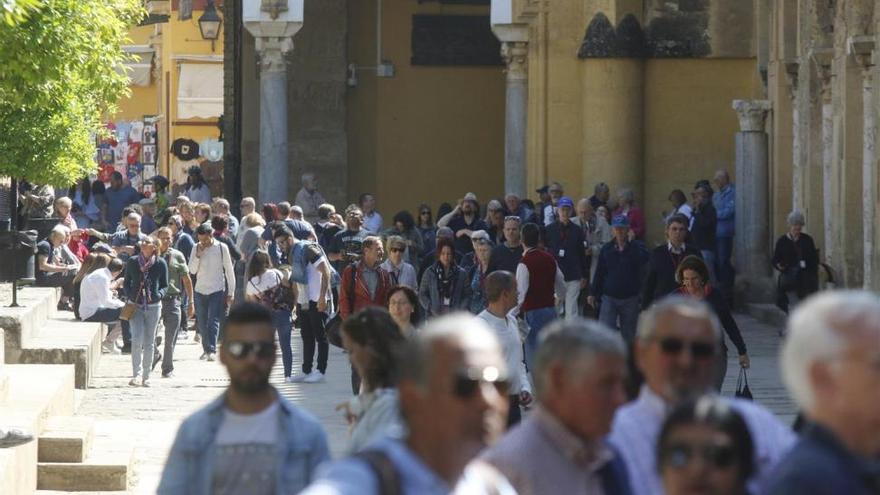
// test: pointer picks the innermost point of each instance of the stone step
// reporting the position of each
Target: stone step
(66, 439)
(106, 468)
(36, 306)
(65, 340)
(35, 393)
(768, 313)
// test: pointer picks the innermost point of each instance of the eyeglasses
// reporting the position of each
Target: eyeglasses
(397, 250)
(680, 455)
(700, 350)
(468, 381)
(240, 350)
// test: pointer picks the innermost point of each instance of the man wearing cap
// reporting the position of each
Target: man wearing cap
(464, 220)
(618, 280)
(567, 243)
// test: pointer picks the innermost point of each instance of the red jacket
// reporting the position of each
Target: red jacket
(362, 297)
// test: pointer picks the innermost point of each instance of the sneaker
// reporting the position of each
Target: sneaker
(146, 383)
(198, 338)
(134, 382)
(203, 356)
(211, 357)
(298, 378)
(314, 377)
(110, 348)
(126, 349)
(14, 437)
(169, 374)
(182, 335)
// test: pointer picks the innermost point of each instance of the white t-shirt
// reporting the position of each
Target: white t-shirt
(315, 280)
(238, 429)
(261, 283)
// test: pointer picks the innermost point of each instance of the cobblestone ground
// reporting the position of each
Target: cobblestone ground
(149, 418)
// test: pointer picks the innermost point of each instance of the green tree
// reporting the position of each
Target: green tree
(59, 76)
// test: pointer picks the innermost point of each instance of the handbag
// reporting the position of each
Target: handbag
(334, 326)
(742, 386)
(127, 311)
(789, 279)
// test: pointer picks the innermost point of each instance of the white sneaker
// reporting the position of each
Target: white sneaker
(203, 356)
(146, 383)
(211, 356)
(298, 378)
(134, 382)
(110, 348)
(314, 377)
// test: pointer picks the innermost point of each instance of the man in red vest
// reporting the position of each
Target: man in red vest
(537, 277)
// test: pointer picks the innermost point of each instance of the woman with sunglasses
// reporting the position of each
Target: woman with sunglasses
(372, 340)
(445, 287)
(146, 280)
(405, 228)
(403, 304)
(425, 224)
(705, 448)
(266, 286)
(401, 272)
(693, 275)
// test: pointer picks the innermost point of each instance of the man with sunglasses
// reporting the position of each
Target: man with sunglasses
(453, 398)
(560, 448)
(346, 247)
(831, 366)
(250, 439)
(676, 348)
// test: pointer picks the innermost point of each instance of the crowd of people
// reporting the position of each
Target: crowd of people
(531, 347)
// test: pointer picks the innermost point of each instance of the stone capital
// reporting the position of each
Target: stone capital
(272, 52)
(752, 114)
(862, 49)
(516, 56)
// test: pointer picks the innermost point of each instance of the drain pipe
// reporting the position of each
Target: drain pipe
(382, 68)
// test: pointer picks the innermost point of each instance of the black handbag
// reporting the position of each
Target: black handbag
(742, 386)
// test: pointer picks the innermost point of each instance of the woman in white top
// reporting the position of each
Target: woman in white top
(99, 303)
(401, 272)
(269, 287)
(372, 340)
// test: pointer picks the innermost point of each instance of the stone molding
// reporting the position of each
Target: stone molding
(273, 52)
(752, 114)
(516, 56)
(861, 48)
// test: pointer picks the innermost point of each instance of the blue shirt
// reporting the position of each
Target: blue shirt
(301, 447)
(117, 201)
(619, 273)
(725, 209)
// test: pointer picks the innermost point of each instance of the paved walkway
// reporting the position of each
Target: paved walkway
(149, 418)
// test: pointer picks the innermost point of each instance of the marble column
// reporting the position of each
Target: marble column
(273, 119)
(862, 48)
(823, 70)
(752, 240)
(798, 155)
(515, 55)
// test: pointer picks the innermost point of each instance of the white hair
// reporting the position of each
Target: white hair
(818, 331)
(687, 306)
(133, 216)
(308, 177)
(796, 217)
(59, 230)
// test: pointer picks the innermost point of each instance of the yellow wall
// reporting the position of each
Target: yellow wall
(429, 134)
(171, 38)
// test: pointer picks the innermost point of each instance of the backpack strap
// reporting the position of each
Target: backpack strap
(386, 472)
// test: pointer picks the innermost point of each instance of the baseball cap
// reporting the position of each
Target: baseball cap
(620, 221)
(565, 201)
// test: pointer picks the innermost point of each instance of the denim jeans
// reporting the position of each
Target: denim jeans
(723, 268)
(283, 323)
(210, 309)
(143, 338)
(314, 334)
(626, 311)
(171, 321)
(537, 320)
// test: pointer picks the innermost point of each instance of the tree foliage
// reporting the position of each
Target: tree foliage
(58, 77)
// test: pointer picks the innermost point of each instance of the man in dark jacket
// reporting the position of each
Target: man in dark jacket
(665, 259)
(703, 224)
(566, 242)
(836, 385)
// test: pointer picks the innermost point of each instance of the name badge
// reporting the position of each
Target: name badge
(447, 301)
(803, 264)
(561, 253)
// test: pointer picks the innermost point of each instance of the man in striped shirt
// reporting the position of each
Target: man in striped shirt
(677, 344)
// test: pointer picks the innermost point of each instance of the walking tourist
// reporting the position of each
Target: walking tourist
(679, 206)
(347, 246)
(425, 224)
(665, 259)
(537, 277)
(566, 241)
(601, 195)
(250, 439)
(403, 305)
(676, 350)
(220, 206)
(125, 242)
(453, 370)
(561, 447)
(501, 296)
(705, 443)
(118, 196)
(549, 214)
(197, 190)
(269, 287)
(626, 206)
(830, 366)
(506, 256)
(211, 264)
(444, 287)
(180, 287)
(405, 228)
(146, 282)
(401, 272)
(618, 281)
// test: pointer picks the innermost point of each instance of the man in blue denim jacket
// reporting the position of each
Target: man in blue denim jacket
(725, 208)
(249, 440)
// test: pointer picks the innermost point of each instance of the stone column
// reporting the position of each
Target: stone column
(798, 157)
(752, 241)
(823, 68)
(862, 48)
(515, 55)
(273, 119)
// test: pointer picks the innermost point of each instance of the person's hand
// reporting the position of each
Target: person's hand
(744, 361)
(583, 283)
(525, 398)
(631, 236)
(345, 407)
(229, 300)
(463, 232)
(191, 311)
(200, 248)
(322, 306)
(591, 301)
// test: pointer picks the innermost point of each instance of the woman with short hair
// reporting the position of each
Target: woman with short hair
(797, 260)
(56, 265)
(401, 272)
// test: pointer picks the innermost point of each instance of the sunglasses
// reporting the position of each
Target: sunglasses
(468, 381)
(700, 350)
(680, 455)
(241, 350)
(512, 218)
(397, 250)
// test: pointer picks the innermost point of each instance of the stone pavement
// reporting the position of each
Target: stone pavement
(149, 418)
